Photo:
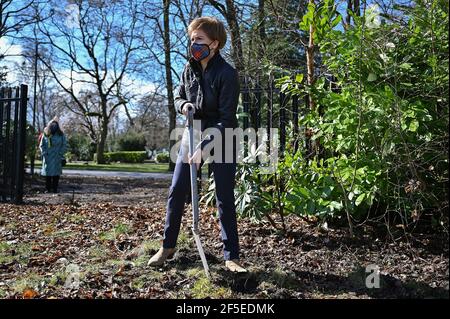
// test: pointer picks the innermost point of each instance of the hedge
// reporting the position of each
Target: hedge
(126, 157)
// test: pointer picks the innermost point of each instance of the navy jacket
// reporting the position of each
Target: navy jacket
(216, 90)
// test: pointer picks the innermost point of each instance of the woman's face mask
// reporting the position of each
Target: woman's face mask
(200, 51)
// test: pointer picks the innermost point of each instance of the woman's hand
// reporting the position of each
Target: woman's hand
(186, 108)
(196, 158)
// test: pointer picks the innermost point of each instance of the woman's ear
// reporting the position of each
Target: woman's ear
(215, 45)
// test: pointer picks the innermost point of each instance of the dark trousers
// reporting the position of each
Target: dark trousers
(51, 183)
(224, 177)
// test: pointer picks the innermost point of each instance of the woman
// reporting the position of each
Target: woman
(53, 146)
(210, 86)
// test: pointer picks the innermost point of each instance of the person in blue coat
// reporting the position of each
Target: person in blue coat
(53, 146)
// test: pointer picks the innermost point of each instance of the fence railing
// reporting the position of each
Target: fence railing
(13, 121)
(258, 99)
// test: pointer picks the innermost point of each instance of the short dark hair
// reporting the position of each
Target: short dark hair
(213, 28)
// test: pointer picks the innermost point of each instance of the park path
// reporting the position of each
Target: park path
(98, 173)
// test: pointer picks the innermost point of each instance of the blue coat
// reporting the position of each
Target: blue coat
(52, 149)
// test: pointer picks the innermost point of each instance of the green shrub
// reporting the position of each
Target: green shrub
(70, 157)
(162, 157)
(131, 141)
(126, 157)
(31, 144)
(252, 190)
(383, 131)
(80, 146)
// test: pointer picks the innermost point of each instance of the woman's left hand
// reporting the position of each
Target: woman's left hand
(196, 158)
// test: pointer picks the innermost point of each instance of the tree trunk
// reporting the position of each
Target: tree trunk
(104, 120)
(262, 25)
(127, 112)
(44, 120)
(312, 146)
(101, 143)
(235, 36)
(229, 13)
(261, 51)
(310, 61)
(169, 81)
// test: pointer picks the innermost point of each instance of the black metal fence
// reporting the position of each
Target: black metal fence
(13, 121)
(278, 107)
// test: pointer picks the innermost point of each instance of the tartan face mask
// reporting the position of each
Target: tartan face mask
(200, 51)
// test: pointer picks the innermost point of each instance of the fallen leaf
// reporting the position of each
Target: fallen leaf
(29, 294)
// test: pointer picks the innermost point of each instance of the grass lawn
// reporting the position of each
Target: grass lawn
(122, 167)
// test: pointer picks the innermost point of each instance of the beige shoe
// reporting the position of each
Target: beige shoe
(234, 266)
(161, 256)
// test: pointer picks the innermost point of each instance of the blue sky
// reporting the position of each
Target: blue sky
(142, 84)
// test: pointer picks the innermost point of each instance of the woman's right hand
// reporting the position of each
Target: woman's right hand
(186, 108)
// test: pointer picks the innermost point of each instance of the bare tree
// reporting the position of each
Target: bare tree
(46, 85)
(229, 12)
(169, 80)
(95, 49)
(151, 109)
(151, 118)
(13, 17)
(169, 45)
